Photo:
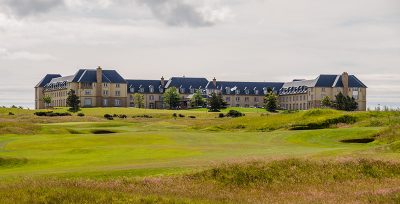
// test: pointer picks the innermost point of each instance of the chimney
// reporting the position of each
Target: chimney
(162, 81)
(215, 82)
(345, 81)
(99, 75)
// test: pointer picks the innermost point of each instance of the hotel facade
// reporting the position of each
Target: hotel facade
(107, 88)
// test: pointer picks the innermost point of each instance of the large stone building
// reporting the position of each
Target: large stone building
(107, 88)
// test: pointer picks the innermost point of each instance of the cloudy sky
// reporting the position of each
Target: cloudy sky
(258, 40)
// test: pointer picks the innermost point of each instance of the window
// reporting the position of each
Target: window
(182, 90)
(191, 91)
(117, 102)
(323, 89)
(105, 102)
(255, 99)
(228, 99)
(247, 91)
(87, 102)
(117, 85)
(237, 99)
(117, 93)
(237, 91)
(256, 92)
(105, 92)
(88, 92)
(151, 88)
(161, 90)
(228, 90)
(105, 85)
(246, 99)
(151, 97)
(141, 90)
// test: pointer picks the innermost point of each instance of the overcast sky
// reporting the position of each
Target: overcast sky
(257, 40)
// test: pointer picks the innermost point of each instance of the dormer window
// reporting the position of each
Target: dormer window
(151, 88)
(247, 91)
(192, 90)
(228, 90)
(237, 91)
(161, 90)
(256, 92)
(182, 90)
(132, 89)
(141, 90)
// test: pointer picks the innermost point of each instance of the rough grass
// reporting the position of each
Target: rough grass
(282, 181)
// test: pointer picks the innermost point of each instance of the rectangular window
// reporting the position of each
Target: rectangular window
(323, 89)
(105, 92)
(151, 97)
(117, 85)
(246, 99)
(88, 92)
(105, 102)
(237, 99)
(117, 93)
(105, 85)
(255, 99)
(117, 102)
(87, 102)
(228, 99)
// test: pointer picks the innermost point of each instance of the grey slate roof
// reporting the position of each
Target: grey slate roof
(187, 83)
(145, 84)
(298, 87)
(89, 76)
(230, 87)
(47, 79)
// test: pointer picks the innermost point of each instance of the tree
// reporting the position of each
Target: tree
(345, 103)
(271, 102)
(214, 103)
(171, 97)
(197, 99)
(138, 100)
(73, 101)
(47, 101)
(223, 104)
(326, 102)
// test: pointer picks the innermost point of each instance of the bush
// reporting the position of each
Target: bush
(142, 116)
(181, 115)
(81, 114)
(108, 117)
(51, 114)
(234, 114)
(174, 115)
(11, 113)
(192, 116)
(115, 115)
(123, 116)
(221, 115)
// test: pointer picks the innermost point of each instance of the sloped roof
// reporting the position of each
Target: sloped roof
(187, 83)
(47, 79)
(353, 82)
(136, 84)
(89, 76)
(232, 86)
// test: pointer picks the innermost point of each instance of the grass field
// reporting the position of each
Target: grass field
(199, 159)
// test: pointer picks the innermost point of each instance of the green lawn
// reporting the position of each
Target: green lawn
(166, 146)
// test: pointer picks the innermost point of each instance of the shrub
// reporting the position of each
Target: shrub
(115, 115)
(174, 115)
(123, 116)
(108, 117)
(221, 115)
(192, 116)
(181, 115)
(234, 114)
(11, 113)
(81, 114)
(142, 116)
(51, 114)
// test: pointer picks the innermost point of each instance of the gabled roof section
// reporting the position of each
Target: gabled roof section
(136, 85)
(325, 80)
(251, 88)
(47, 79)
(89, 76)
(353, 82)
(187, 83)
